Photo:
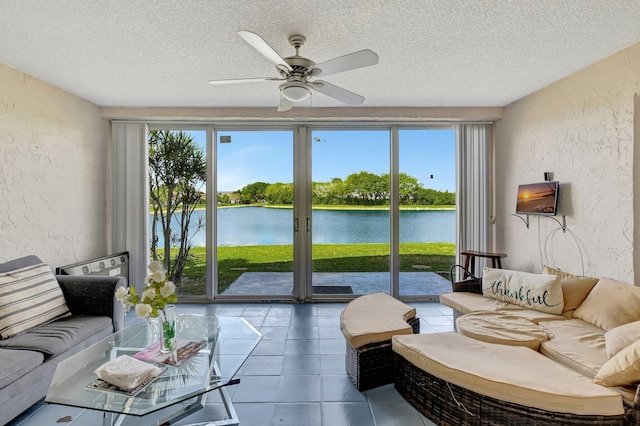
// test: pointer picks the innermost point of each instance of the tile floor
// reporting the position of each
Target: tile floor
(296, 375)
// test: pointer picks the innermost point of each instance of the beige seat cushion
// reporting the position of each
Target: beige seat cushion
(471, 302)
(375, 318)
(576, 344)
(610, 304)
(501, 328)
(510, 373)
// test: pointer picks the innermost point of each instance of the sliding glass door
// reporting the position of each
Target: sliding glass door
(350, 212)
(302, 213)
(177, 200)
(427, 211)
(254, 217)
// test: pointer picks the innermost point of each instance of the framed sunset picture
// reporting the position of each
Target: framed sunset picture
(538, 198)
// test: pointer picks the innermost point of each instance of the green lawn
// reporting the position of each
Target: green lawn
(233, 261)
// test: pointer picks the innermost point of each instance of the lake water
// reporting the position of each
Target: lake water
(245, 226)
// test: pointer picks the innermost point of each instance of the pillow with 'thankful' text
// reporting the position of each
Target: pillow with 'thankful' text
(541, 292)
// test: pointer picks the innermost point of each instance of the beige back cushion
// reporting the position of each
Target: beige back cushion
(610, 304)
(541, 292)
(620, 337)
(621, 370)
(574, 288)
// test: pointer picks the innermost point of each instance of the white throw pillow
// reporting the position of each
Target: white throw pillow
(541, 292)
(29, 297)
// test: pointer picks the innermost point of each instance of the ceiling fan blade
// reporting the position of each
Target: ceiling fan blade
(285, 104)
(360, 59)
(244, 80)
(261, 46)
(337, 92)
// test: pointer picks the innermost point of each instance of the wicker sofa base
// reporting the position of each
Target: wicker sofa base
(448, 404)
(371, 365)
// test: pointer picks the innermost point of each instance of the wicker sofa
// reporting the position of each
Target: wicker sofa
(586, 371)
(29, 357)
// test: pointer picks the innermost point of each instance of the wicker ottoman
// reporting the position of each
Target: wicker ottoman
(368, 323)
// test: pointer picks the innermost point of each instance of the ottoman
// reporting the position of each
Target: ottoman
(368, 323)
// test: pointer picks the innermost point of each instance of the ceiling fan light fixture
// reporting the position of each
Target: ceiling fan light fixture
(296, 93)
(296, 71)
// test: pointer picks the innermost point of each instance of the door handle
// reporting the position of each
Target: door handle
(296, 224)
(308, 224)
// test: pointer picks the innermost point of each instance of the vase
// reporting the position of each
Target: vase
(168, 328)
(154, 329)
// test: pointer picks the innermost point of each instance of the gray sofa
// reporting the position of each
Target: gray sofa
(28, 360)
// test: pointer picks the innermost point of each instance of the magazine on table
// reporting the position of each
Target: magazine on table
(185, 349)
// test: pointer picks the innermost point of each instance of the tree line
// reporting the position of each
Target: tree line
(363, 188)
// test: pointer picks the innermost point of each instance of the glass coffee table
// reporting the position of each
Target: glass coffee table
(179, 390)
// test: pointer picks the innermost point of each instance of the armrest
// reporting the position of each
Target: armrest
(93, 295)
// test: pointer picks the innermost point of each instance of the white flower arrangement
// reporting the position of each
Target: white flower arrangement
(155, 296)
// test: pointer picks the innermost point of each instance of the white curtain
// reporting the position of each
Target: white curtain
(474, 186)
(130, 199)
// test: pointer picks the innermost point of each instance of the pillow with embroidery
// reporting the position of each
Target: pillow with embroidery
(541, 292)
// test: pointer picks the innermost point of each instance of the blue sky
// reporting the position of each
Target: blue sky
(267, 156)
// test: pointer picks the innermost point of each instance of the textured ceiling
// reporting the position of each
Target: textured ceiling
(432, 52)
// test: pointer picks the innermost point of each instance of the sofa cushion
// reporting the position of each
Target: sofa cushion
(575, 344)
(621, 370)
(57, 337)
(471, 302)
(375, 318)
(15, 364)
(610, 304)
(541, 292)
(510, 373)
(574, 288)
(30, 296)
(501, 328)
(620, 337)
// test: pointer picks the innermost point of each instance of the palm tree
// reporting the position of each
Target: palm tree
(177, 172)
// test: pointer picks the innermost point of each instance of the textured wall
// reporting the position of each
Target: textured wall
(581, 129)
(53, 172)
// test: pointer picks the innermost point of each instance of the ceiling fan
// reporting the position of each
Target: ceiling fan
(297, 72)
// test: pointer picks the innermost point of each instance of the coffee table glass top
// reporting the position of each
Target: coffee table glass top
(230, 342)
